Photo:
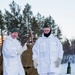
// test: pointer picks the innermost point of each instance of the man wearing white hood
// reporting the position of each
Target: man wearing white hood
(47, 53)
(12, 51)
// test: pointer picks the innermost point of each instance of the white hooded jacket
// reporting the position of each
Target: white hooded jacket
(46, 51)
(11, 60)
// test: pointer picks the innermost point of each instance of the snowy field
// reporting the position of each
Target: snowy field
(64, 69)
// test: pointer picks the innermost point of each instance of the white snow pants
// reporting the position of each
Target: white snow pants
(49, 74)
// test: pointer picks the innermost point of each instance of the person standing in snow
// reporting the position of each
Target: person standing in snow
(47, 53)
(12, 51)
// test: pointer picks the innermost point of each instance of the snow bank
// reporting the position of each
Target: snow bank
(64, 69)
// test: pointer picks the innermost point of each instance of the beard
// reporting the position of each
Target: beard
(47, 35)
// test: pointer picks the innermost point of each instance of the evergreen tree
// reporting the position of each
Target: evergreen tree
(14, 19)
(66, 47)
(53, 27)
(40, 20)
(2, 26)
(27, 14)
(59, 34)
(25, 21)
(73, 46)
(34, 26)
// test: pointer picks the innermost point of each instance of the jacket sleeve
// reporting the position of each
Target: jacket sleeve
(35, 51)
(8, 50)
(60, 50)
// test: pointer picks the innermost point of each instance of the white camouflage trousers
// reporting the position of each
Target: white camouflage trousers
(48, 74)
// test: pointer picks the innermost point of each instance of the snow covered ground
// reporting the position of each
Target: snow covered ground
(64, 69)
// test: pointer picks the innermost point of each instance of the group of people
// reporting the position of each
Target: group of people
(47, 54)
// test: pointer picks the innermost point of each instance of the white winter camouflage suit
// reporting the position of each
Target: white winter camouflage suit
(46, 51)
(11, 61)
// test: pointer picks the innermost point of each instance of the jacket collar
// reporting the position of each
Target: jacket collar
(47, 37)
(10, 38)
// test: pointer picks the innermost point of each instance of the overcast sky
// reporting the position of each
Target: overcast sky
(62, 11)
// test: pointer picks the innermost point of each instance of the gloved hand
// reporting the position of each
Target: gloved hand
(58, 62)
(24, 48)
(35, 63)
